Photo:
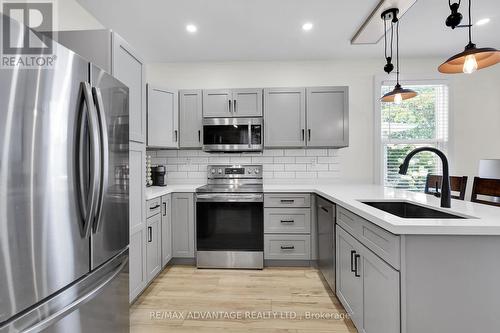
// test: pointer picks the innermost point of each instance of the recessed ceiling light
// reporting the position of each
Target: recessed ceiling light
(307, 26)
(483, 21)
(191, 28)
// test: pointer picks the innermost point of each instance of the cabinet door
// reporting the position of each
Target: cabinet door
(190, 118)
(153, 247)
(349, 286)
(129, 68)
(166, 230)
(381, 295)
(247, 102)
(182, 225)
(217, 103)
(163, 113)
(327, 117)
(137, 265)
(284, 117)
(137, 218)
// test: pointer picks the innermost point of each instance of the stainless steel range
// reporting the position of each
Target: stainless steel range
(230, 218)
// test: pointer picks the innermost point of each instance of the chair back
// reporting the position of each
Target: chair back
(485, 187)
(457, 184)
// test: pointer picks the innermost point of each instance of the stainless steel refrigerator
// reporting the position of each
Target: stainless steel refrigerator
(64, 224)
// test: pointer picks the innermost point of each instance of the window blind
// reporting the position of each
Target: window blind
(417, 122)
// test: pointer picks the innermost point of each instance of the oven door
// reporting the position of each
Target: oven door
(230, 222)
(232, 134)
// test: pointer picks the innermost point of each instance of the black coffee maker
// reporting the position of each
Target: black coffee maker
(158, 173)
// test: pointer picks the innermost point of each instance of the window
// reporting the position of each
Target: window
(417, 122)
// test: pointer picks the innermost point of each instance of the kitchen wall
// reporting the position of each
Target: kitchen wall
(279, 165)
(474, 102)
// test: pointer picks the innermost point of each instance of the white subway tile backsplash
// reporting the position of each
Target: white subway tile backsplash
(317, 152)
(277, 163)
(295, 167)
(295, 152)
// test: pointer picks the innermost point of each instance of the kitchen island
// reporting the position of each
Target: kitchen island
(406, 275)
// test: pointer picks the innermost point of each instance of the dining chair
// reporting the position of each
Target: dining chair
(486, 187)
(457, 184)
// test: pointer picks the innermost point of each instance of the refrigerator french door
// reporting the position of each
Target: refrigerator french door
(63, 215)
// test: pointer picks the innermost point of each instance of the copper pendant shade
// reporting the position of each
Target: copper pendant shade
(398, 90)
(485, 57)
(472, 58)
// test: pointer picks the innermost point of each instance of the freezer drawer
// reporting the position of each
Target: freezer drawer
(97, 303)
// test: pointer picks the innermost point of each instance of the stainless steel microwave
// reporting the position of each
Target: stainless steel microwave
(232, 134)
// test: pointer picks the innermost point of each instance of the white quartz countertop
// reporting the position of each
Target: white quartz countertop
(481, 219)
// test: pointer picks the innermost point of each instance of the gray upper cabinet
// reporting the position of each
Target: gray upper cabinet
(113, 54)
(163, 113)
(247, 103)
(129, 68)
(232, 102)
(166, 229)
(327, 117)
(190, 118)
(183, 225)
(217, 103)
(284, 117)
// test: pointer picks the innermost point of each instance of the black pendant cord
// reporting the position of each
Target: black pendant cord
(385, 39)
(470, 23)
(397, 52)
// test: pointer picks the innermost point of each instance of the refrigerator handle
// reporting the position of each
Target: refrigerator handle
(47, 322)
(87, 205)
(104, 149)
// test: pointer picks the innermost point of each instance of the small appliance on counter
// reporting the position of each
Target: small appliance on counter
(158, 173)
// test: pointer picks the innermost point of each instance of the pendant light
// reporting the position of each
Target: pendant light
(472, 58)
(398, 94)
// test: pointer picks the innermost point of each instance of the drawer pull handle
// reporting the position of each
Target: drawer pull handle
(324, 209)
(356, 273)
(352, 260)
(290, 247)
(287, 221)
(150, 234)
(164, 209)
(288, 201)
(154, 207)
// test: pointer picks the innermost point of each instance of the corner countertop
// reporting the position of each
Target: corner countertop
(481, 219)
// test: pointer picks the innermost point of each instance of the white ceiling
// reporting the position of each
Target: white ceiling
(254, 30)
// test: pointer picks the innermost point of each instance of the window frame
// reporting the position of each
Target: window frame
(378, 151)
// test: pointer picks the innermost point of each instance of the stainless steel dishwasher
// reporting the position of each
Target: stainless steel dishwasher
(326, 240)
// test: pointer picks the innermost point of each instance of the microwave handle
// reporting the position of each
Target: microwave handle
(249, 135)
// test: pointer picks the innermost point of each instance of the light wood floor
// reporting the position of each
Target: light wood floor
(190, 292)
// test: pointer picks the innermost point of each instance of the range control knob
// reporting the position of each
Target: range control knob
(249, 171)
(219, 171)
(256, 171)
(212, 171)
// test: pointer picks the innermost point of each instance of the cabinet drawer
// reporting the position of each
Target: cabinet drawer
(283, 200)
(383, 243)
(287, 247)
(153, 207)
(287, 220)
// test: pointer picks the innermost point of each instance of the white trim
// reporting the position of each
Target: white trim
(378, 81)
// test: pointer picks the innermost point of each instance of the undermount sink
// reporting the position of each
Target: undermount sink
(410, 211)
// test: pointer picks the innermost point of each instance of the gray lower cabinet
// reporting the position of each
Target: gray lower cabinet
(327, 117)
(163, 113)
(367, 286)
(325, 213)
(190, 118)
(284, 117)
(183, 225)
(166, 230)
(153, 247)
(137, 263)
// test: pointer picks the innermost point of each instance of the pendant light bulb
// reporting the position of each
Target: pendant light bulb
(470, 64)
(398, 99)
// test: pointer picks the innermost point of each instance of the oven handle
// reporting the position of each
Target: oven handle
(233, 197)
